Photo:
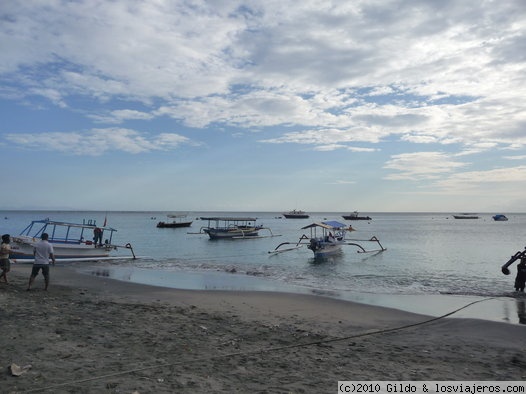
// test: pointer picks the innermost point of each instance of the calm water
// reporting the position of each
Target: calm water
(427, 254)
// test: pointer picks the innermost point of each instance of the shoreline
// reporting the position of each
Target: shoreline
(96, 334)
(499, 309)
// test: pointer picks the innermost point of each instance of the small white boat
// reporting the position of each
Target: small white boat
(232, 228)
(329, 242)
(70, 240)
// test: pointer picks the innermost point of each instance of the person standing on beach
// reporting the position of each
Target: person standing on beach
(43, 251)
(520, 279)
(5, 263)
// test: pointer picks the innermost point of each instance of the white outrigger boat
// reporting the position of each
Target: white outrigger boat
(330, 242)
(233, 228)
(71, 241)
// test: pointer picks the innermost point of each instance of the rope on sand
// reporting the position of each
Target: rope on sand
(260, 351)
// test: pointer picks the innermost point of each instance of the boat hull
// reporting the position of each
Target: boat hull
(465, 216)
(22, 248)
(215, 233)
(295, 216)
(173, 225)
(322, 249)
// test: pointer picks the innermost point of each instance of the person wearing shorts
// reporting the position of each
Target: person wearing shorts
(5, 263)
(43, 252)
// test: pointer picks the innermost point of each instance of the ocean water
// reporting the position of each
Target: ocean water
(429, 254)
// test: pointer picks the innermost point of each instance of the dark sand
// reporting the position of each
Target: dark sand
(90, 334)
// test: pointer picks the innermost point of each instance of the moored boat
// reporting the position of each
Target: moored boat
(294, 214)
(329, 242)
(355, 216)
(232, 227)
(70, 240)
(178, 221)
(500, 218)
(466, 216)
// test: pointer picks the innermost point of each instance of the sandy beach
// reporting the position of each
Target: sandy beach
(90, 334)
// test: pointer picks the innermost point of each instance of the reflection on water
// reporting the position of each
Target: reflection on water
(190, 280)
(521, 310)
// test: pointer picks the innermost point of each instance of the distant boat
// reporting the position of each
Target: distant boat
(176, 222)
(356, 216)
(500, 218)
(466, 216)
(296, 214)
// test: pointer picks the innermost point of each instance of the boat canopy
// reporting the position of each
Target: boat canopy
(177, 215)
(230, 219)
(329, 225)
(63, 231)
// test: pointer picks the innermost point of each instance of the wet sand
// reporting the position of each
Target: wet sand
(90, 334)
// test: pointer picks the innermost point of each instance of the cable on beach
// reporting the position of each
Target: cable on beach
(260, 351)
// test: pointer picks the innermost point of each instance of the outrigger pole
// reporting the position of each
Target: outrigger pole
(299, 244)
(373, 239)
(127, 246)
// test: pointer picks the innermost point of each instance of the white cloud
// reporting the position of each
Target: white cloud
(119, 116)
(256, 65)
(421, 165)
(97, 141)
(518, 157)
(506, 180)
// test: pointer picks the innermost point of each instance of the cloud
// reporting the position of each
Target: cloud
(477, 182)
(98, 141)
(518, 157)
(434, 73)
(120, 116)
(421, 165)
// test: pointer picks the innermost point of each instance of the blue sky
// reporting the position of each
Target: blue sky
(374, 105)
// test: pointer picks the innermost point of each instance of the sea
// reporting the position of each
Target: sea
(433, 264)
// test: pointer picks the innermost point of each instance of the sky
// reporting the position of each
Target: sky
(264, 105)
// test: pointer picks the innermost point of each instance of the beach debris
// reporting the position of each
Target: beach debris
(17, 370)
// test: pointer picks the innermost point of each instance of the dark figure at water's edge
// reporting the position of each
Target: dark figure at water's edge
(520, 279)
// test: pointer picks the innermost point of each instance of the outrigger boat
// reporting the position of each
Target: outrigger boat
(330, 242)
(233, 228)
(72, 241)
(176, 222)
